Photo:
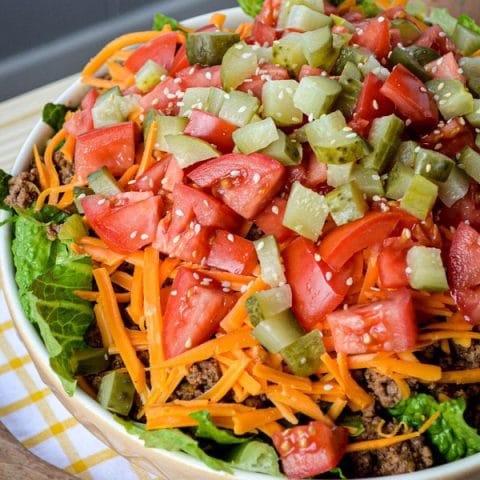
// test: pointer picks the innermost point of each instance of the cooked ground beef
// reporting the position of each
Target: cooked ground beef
(257, 401)
(466, 358)
(116, 362)
(384, 389)
(92, 336)
(23, 189)
(201, 377)
(65, 168)
(94, 381)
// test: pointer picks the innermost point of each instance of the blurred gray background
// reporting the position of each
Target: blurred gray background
(45, 40)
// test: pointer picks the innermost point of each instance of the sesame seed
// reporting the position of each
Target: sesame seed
(176, 239)
(188, 343)
(226, 284)
(196, 276)
(327, 387)
(205, 202)
(131, 182)
(328, 276)
(375, 104)
(423, 89)
(349, 281)
(163, 181)
(243, 289)
(375, 177)
(317, 257)
(461, 120)
(226, 96)
(239, 46)
(133, 234)
(381, 19)
(310, 117)
(360, 31)
(173, 293)
(177, 80)
(438, 146)
(367, 338)
(230, 237)
(347, 129)
(440, 86)
(447, 95)
(408, 270)
(428, 168)
(225, 290)
(376, 198)
(242, 109)
(82, 195)
(155, 101)
(460, 71)
(417, 149)
(208, 75)
(351, 135)
(260, 245)
(144, 236)
(406, 233)
(180, 104)
(289, 90)
(256, 178)
(442, 34)
(197, 228)
(275, 210)
(295, 119)
(101, 202)
(408, 122)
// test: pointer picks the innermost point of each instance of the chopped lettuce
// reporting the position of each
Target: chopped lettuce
(468, 22)
(450, 434)
(354, 424)
(53, 114)
(251, 7)
(254, 456)
(160, 20)
(369, 7)
(4, 178)
(443, 18)
(207, 429)
(417, 8)
(337, 471)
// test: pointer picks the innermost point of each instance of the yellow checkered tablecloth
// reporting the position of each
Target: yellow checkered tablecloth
(40, 422)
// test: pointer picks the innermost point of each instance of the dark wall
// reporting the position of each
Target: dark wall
(45, 40)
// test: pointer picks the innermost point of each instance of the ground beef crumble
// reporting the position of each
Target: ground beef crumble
(23, 189)
(65, 168)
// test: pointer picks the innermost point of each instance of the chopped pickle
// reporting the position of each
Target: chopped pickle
(306, 19)
(408, 60)
(255, 136)
(433, 165)
(238, 108)
(346, 203)
(116, 392)
(149, 75)
(277, 100)
(216, 97)
(455, 187)
(466, 40)
(189, 150)
(88, 361)
(408, 30)
(339, 174)
(470, 160)
(368, 181)
(474, 117)
(316, 95)
(419, 197)
(453, 99)
(288, 52)
(238, 64)
(398, 181)
(285, 150)
(349, 53)
(78, 194)
(73, 229)
(270, 261)
(208, 48)
(406, 153)
(306, 212)
(317, 47)
(267, 303)
(102, 182)
(167, 125)
(194, 99)
(351, 82)
(423, 55)
(471, 70)
(425, 269)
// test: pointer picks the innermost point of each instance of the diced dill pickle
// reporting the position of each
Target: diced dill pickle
(88, 361)
(73, 229)
(455, 187)
(108, 94)
(316, 95)
(116, 392)
(425, 269)
(216, 97)
(285, 150)
(189, 150)
(419, 197)
(238, 64)
(349, 53)
(385, 135)
(303, 355)
(306, 212)
(78, 194)
(194, 99)
(113, 108)
(286, 6)
(317, 47)
(408, 60)
(149, 75)
(267, 303)
(408, 30)
(150, 116)
(470, 160)
(255, 136)
(270, 261)
(406, 153)
(399, 179)
(474, 117)
(101, 181)
(208, 48)
(342, 22)
(471, 70)
(466, 40)
(167, 125)
(433, 165)
(368, 181)
(288, 52)
(306, 19)
(346, 203)
(239, 108)
(277, 100)
(453, 99)
(477, 140)
(351, 71)
(350, 81)
(300, 134)
(339, 174)
(254, 456)
(278, 331)
(374, 66)
(423, 55)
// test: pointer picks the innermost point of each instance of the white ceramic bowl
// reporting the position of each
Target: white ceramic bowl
(169, 466)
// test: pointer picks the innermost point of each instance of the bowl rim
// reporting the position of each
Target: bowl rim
(87, 411)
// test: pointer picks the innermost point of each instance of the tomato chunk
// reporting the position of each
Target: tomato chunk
(212, 129)
(232, 253)
(435, 38)
(383, 326)
(270, 220)
(195, 77)
(310, 450)
(151, 180)
(445, 67)
(464, 271)
(316, 290)
(254, 86)
(246, 183)
(411, 98)
(113, 147)
(392, 262)
(467, 210)
(161, 98)
(126, 225)
(374, 35)
(263, 34)
(343, 242)
(195, 307)
(161, 50)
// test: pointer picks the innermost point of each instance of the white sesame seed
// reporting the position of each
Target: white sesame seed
(226, 96)
(327, 387)
(179, 213)
(155, 101)
(144, 236)
(381, 19)
(310, 117)
(423, 89)
(417, 149)
(131, 182)
(349, 281)
(295, 119)
(242, 109)
(133, 234)
(275, 210)
(460, 71)
(351, 135)
(230, 237)
(376, 198)
(247, 55)
(226, 284)
(375, 105)
(197, 228)
(428, 167)
(205, 202)
(82, 195)
(375, 177)
(188, 343)
(176, 239)
(260, 245)
(408, 270)
(256, 178)
(225, 290)
(101, 202)
(317, 257)
(196, 276)
(408, 122)
(328, 276)
(442, 34)
(173, 293)
(440, 86)
(438, 146)
(208, 75)
(406, 233)
(367, 338)
(235, 173)
(180, 104)
(177, 80)
(289, 90)
(164, 181)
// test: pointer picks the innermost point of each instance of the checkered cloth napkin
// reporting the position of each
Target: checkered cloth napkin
(38, 420)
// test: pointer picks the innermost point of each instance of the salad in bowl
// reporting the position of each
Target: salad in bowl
(257, 241)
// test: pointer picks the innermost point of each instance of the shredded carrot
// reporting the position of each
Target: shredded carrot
(58, 138)
(135, 309)
(422, 371)
(135, 259)
(166, 269)
(86, 387)
(345, 6)
(336, 408)
(120, 337)
(443, 334)
(285, 379)
(68, 148)
(407, 356)
(175, 376)
(461, 376)
(237, 282)
(107, 339)
(53, 192)
(67, 199)
(371, 276)
(102, 255)
(235, 318)
(94, 296)
(122, 279)
(218, 19)
(41, 169)
(385, 4)
(117, 71)
(270, 428)
(121, 55)
(128, 175)
(285, 410)
(247, 382)
(98, 82)
(249, 421)
(137, 338)
(147, 158)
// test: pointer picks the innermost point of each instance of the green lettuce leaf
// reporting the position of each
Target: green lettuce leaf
(254, 456)
(468, 22)
(53, 114)
(369, 7)
(251, 7)
(338, 472)
(4, 178)
(160, 20)
(417, 8)
(355, 424)
(443, 18)
(207, 429)
(450, 434)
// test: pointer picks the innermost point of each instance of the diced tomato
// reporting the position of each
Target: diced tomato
(375, 35)
(372, 103)
(445, 67)
(180, 61)
(125, 226)
(316, 290)
(112, 146)
(161, 98)
(342, 243)
(308, 71)
(316, 171)
(411, 98)
(270, 220)
(269, 12)
(360, 126)
(89, 99)
(436, 39)
(267, 72)
(79, 123)
(329, 9)
(195, 307)
(263, 34)
(392, 262)
(195, 77)
(309, 450)
(246, 183)
(354, 17)
(161, 50)
(383, 326)
(212, 129)
(450, 138)
(232, 253)
(464, 271)
(173, 176)
(465, 210)
(151, 180)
